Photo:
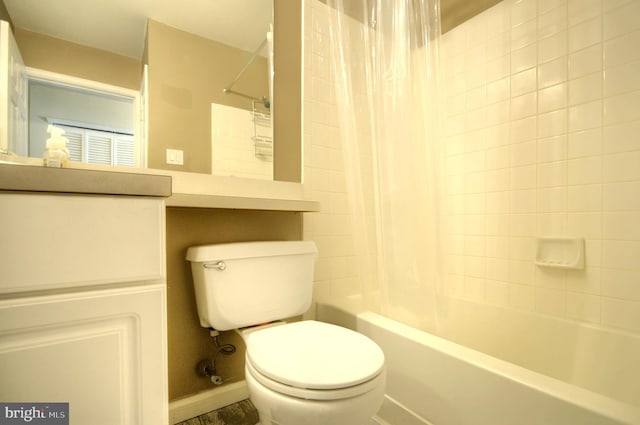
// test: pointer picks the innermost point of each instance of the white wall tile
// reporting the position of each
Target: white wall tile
(523, 130)
(552, 123)
(523, 153)
(583, 307)
(584, 198)
(548, 277)
(523, 82)
(585, 34)
(499, 90)
(524, 58)
(557, 153)
(585, 143)
(522, 224)
(552, 98)
(546, 5)
(497, 113)
(550, 301)
(498, 45)
(552, 73)
(498, 180)
(582, 10)
(552, 224)
(621, 167)
(522, 11)
(523, 178)
(552, 47)
(585, 61)
(587, 280)
(622, 49)
(497, 135)
(497, 269)
(585, 116)
(622, 314)
(622, 108)
(552, 174)
(524, 34)
(622, 78)
(622, 20)
(621, 254)
(622, 226)
(498, 158)
(621, 284)
(587, 225)
(584, 171)
(586, 89)
(553, 21)
(621, 196)
(552, 149)
(497, 224)
(497, 292)
(498, 68)
(613, 4)
(622, 137)
(521, 297)
(522, 248)
(552, 199)
(523, 201)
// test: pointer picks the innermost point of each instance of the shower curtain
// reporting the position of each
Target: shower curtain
(385, 63)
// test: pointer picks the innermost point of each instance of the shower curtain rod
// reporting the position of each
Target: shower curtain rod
(227, 89)
(262, 99)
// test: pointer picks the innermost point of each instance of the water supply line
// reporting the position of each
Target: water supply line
(207, 367)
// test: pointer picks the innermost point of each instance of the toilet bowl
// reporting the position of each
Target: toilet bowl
(299, 373)
(314, 373)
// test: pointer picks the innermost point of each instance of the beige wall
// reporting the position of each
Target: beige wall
(188, 341)
(287, 156)
(186, 74)
(4, 14)
(52, 54)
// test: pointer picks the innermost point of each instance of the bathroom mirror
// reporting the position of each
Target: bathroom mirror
(187, 107)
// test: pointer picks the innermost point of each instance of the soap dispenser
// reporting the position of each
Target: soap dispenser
(56, 155)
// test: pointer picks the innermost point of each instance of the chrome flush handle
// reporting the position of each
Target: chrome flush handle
(220, 266)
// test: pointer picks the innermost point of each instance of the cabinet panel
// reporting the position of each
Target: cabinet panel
(101, 351)
(57, 241)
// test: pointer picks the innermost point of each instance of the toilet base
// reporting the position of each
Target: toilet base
(279, 409)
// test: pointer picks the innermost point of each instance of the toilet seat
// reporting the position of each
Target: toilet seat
(314, 360)
(310, 394)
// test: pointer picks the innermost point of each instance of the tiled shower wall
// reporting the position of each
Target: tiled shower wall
(543, 139)
(336, 271)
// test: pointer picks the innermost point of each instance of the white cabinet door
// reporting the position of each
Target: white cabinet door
(14, 97)
(101, 351)
(60, 241)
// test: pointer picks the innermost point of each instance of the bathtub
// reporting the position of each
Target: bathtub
(434, 381)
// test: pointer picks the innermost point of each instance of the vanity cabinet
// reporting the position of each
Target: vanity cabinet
(82, 305)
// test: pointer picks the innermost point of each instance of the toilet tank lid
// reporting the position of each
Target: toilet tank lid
(228, 251)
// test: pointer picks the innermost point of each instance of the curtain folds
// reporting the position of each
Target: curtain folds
(385, 63)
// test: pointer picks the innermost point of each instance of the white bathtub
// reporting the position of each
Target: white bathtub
(434, 381)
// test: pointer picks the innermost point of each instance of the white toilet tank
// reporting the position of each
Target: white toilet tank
(249, 283)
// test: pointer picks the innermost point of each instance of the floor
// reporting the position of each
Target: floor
(242, 413)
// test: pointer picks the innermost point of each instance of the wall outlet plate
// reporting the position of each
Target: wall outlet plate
(175, 157)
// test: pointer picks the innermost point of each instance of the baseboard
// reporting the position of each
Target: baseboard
(392, 412)
(206, 401)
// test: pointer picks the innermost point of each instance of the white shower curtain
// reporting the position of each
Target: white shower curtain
(385, 59)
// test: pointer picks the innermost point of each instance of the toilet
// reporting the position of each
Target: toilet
(298, 373)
